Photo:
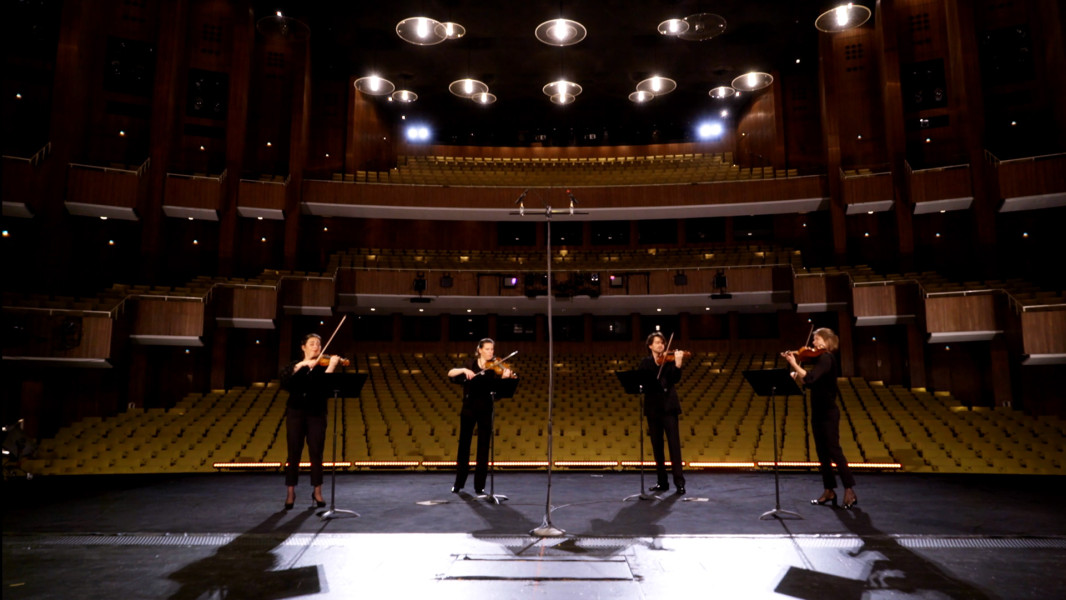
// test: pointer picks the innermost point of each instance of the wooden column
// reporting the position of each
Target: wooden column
(173, 18)
(30, 407)
(999, 363)
(236, 130)
(895, 132)
(831, 135)
(847, 344)
(218, 358)
(298, 140)
(916, 354)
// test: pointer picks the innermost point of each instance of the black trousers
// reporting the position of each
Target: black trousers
(825, 425)
(483, 420)
(300, 426)
(657, 426)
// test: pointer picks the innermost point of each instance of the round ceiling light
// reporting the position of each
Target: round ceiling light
(467, 88)
(843, 17)
(453, 31)
(484, 98)
(640, 97)
(404, 96)
(755, 80)
(560, 32)
(722, 91)
(563, 98)
(703, 26)
(421, 31)
(374, 85)
(657, 85)
(561, 87)
(673, 27)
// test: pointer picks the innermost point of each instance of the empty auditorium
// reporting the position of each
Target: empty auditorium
(573, 299)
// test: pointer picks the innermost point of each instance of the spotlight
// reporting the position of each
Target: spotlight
(418, 133)
(709, 130)
(446, 281)
(616, 281)
(680, 279)
(420, 282)
(720, 284)
(510, 282)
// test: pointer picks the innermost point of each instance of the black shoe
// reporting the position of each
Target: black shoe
(850, 499)
(317, 503)
(828, 497)
(289, 505)
(659, 488)
(680, 490)
(479, 492)
(456, 489)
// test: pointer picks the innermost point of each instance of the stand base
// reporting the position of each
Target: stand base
(494, 498)
(337, 513)
(778, 513)
(547, 530)
(642, 496)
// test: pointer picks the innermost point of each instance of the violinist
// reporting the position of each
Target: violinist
(477, 410)
(305, 415)
(821, 379)
(662, 407)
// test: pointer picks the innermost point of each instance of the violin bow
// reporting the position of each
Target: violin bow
(323, 352)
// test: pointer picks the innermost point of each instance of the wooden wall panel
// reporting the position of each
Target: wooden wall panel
(1033, 176)
(311, 292)
(977, 312)
(885, 300)
(193, 192)
(867, 188)
(1044, 332)
(59, 334)
(330, 192)
(261, 194)
(831, 289)
(254, 302)
(158, 317)
(941, 184)
(109, 187)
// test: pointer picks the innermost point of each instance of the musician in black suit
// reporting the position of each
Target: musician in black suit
(661, 408)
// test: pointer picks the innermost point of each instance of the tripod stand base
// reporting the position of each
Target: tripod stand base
(494, 498)
(337, 513)
(547, 530)
(778, 513)
(642, 496)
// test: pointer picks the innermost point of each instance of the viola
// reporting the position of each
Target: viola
(498, 366)
(324, 359)
(671, 356)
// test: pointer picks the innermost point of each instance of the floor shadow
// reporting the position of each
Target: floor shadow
(501, 519)
(244, 568)
(899, 568)
(636, 518)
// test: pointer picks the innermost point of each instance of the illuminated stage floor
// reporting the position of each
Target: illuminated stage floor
(222, 536)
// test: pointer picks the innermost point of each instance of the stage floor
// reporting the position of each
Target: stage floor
(224, 536)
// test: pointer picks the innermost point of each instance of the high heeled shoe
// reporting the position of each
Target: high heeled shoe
(316, 502)
(850, 499)
(828, 497)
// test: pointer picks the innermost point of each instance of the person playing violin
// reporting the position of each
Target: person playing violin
(305, 415)
(821, 379)
(661, 408)
(477, 410)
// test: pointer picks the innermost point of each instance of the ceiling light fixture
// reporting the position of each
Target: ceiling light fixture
(422, 31)
(657, 85)
(755, 80)
(562, 87)
(453, 31)
(673, 27)
(374, 85)
(722, 92)
(484, 98)
(702, 27)
(467, 88)
(843, 17)
(560, 32)
(404, 96)
(562, 99)
(640, 97)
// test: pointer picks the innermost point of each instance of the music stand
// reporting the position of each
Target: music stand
(635, 382)
(769, 382)
(348, 385)
(498, 389)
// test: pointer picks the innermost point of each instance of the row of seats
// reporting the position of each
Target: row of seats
(408, 411)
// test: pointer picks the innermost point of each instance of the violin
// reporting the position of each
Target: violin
(807, 352)
(324, 359)
(671, 356)
(499, 366)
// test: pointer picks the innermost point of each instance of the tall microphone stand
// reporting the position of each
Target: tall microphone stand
(547, 528)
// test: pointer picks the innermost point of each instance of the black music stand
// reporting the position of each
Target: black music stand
(635, 382)
(770, 382)
(347, 385)
(498, 389)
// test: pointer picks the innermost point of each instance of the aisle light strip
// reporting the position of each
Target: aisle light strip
(558, 463)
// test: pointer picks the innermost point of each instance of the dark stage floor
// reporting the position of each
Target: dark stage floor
(223, 536)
